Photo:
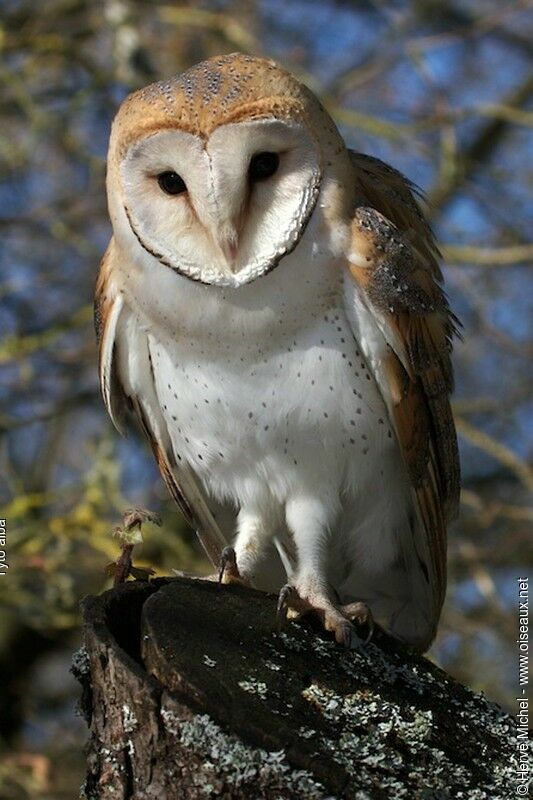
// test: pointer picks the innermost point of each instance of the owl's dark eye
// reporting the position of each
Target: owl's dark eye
(263, 165)
(171, 183)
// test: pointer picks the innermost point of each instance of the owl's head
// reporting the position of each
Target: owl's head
(216, 173)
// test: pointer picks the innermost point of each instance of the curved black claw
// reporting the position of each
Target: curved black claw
(345, 634)
(370, 626)
(228, 562)
(361, 615)
(285, 593)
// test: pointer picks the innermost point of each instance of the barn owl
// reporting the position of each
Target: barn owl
(270, 307)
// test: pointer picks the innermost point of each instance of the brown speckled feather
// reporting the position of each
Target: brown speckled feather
(395, 196)
(396, 269)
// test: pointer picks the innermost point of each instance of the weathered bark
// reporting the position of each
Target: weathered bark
(191, 691)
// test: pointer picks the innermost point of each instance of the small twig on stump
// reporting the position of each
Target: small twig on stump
(129, 534)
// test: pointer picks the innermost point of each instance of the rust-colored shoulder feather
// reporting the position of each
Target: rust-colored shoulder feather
(394, 262)
(396, 197)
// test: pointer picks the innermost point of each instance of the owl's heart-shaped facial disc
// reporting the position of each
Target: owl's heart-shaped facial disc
(223, 210)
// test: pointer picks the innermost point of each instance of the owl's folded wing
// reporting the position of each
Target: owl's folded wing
(127, 381)
(403, 322)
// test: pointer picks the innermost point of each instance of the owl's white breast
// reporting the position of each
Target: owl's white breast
(264, 389)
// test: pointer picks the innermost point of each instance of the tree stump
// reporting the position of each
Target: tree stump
(192, 691)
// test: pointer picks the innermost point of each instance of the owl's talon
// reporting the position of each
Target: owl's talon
(284, 602)
(370, 624)
(360, 614)
(344, 634)
(228, 566)
(229, 571)
(290, 604)
(281, 609)
(335, 618)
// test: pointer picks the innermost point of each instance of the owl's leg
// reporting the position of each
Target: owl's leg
(309, 590)
(255, 530)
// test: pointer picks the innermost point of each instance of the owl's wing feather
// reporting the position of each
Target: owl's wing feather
(398, 294)
(127, 381)
(107, 308)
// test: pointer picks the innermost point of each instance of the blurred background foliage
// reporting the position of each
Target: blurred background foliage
(441, 89)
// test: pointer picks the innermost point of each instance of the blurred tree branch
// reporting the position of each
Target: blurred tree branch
(488, 256)
(465, 163)
(471, 25)
(17, 347)
(226, 24)
(496, 450)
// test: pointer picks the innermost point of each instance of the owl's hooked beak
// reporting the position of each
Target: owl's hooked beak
(227, 239)
(229, 248)
(223, 219)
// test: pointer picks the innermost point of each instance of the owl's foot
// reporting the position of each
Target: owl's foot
(228, 569)
(294, 603)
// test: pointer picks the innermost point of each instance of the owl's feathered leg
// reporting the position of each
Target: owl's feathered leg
(256, 529)
(309, 520)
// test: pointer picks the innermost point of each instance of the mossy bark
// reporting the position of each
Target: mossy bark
(192, 691)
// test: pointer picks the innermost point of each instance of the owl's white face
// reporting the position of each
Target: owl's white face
(222, 211)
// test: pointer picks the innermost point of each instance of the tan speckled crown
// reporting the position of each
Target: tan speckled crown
(222, 89)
